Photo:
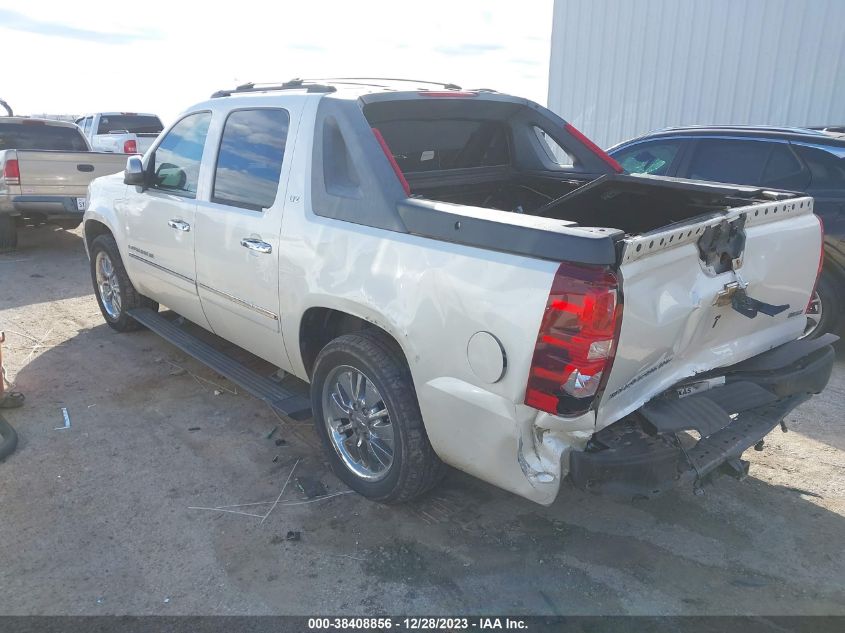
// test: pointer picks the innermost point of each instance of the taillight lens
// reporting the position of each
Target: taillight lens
(12, 172)
(577, 340)
(819, 271)
(396, 169)
(595, 149)
(130, 147)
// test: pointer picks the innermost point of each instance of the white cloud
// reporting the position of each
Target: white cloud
(176, 54)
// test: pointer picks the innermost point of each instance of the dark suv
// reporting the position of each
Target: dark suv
(797, 159)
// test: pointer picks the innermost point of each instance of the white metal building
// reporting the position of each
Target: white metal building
(620, 68)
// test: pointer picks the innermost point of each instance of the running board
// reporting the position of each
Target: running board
(282, 400)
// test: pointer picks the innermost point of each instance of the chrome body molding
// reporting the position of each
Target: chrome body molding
(225, 295)
(241, 302)
(162, 268)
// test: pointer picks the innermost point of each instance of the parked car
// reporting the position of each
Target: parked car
(809, 161)
(120, 132)
(45, 168)
(448, 269)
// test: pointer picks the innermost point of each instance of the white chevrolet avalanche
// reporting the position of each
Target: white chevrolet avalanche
(464, 279)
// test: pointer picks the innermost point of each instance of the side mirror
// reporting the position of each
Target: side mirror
(134, 173)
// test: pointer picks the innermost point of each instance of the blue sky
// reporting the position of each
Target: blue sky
(162, 56)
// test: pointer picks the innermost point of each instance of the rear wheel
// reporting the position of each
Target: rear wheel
(115, 293)
(367, 415)
(826, 308)
(8, 233)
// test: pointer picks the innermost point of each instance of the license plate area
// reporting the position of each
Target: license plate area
(700, 386)
(81, 204)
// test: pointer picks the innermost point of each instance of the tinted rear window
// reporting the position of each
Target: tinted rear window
(134, 123)
(41, 137)
(427, 145)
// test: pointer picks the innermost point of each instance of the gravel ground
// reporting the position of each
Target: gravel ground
(98, 519)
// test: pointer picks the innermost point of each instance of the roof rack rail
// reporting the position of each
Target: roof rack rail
(293, 84)
(447, 85)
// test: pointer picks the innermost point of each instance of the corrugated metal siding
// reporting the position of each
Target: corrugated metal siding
(621, 68)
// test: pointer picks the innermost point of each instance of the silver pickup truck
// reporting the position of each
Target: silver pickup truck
(45, 169)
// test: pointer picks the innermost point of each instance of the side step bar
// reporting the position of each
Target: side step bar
(282, 400)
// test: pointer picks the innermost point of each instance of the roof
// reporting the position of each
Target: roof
(119, 114)
(354, 85)
(31, 120)
(750, 131)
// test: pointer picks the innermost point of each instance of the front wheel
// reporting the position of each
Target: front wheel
(115, 293)
(367, 415)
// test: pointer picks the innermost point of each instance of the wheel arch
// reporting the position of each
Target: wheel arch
(321, 324)
(93, 229)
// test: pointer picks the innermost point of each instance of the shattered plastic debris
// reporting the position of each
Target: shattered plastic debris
(293, 536)
(66, 417)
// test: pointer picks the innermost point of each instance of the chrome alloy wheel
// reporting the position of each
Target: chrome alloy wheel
(814, 315)
(358, 423)
(108, 285)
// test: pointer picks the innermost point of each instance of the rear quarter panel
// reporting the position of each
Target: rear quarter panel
(431, 296)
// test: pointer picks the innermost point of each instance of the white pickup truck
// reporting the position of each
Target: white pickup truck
(464, 278)
(120, 132)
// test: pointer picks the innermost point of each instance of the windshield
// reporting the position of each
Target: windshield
(36, 135)
(133, 123)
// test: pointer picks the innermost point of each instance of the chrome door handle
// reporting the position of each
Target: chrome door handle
(256, 245)
(179, 225)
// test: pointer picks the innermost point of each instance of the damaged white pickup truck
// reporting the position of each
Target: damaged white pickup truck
(465, 279)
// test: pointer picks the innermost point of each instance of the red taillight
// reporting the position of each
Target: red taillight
(12, 172)
(577, 340)
(386, 149)
(595, 149)
(130, 147)
(819, 271)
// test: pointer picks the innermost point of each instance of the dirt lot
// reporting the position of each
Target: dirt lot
(97, 519)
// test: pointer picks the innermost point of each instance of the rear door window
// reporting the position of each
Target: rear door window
(655, 158)
(249, 162)
(783, 169)
(748, 162)
(176, 161)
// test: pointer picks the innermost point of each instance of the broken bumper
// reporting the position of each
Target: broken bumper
(644, 455)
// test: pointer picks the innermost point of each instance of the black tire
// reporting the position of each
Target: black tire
(830, 290)
(67, 225)
(415, 468)
(130, 298)
(8, 233)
